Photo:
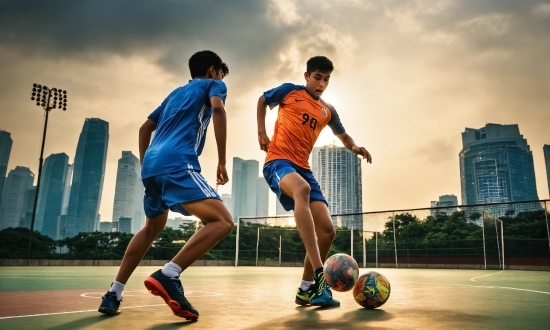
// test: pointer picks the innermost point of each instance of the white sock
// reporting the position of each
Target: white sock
(117, 288)
(171, 270)
(306, 284)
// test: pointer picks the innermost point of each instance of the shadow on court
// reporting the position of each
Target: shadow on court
(174, 325)
(87, 321)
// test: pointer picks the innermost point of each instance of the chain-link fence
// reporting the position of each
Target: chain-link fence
(497, 236)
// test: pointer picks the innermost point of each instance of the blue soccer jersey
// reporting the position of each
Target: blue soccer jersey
(182, 120)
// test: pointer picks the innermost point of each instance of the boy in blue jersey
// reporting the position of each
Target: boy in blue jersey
(171, 174)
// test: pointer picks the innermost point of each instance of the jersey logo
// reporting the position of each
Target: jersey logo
(324, 111)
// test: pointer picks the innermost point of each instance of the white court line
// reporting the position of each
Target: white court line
(499, 287)
(194, 294)
(73, 312)
(473, 278)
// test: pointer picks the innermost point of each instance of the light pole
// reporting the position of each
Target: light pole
(48, 99)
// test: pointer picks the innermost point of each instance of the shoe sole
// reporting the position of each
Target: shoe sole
(107, 311)
(158, 290)
(302, 303)
(324, 304)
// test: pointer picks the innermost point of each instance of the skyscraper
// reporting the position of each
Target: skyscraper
(5, 149)
(280, 210)
(50, 196)
(496, 165)
(546, 150)
(129, 192)
(226, 198)
(26, 214)
(244, 187)
(262, 197)
(338, 171)
(88, 174)
(16, 190)
(445, 201)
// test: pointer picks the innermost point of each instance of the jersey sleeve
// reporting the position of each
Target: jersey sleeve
(217, 88)
(335, 124)
(155, 115)
(275, 96)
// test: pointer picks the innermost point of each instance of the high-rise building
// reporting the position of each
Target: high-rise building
(67, 190)
(448, 201)
(129, 192)
(87, 181)
(105, 226)
(546, 150)
(243, 188)
(496, 165)
(5, 149)
(226, 198)
(262, 197)
(50, 196)
(16, 190)
(280, 210)
(124, 225)
(26, 216)
(338, 171)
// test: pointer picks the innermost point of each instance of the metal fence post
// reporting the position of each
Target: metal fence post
(257, 245)
(483, 232)
(351, 240)
(394, 241)
(376, 241)
(237, 242)
(364, 251)
(280, 248)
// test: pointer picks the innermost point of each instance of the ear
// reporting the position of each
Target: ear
(211, 72)
(306, 75)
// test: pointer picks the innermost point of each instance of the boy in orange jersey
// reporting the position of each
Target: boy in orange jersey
(302, 115)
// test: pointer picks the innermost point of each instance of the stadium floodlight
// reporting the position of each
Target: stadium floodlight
(48, 99)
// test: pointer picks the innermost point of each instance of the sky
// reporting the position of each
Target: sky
(409, 77)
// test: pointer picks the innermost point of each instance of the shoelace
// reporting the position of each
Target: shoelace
(178, 285)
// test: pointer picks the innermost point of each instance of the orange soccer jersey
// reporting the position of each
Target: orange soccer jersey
(301, 119)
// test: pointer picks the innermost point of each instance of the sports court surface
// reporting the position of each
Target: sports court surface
(263, 298)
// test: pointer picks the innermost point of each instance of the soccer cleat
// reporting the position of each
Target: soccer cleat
(322, 296)
(109, 304)
(171, 290)
(303, 297)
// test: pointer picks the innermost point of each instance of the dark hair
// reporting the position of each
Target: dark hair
(201, 61)
(320, 63)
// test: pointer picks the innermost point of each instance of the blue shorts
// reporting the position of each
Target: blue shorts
(275, 170)
(168, 191)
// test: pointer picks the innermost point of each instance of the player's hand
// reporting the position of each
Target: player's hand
(264, 141)
(362, 152)
(221, 175)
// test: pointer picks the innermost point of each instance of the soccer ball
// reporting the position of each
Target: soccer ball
(341, 272)
(372, 290)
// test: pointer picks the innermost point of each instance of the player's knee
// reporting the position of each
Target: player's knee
(302, 192)
(328, 235)
(228, 225)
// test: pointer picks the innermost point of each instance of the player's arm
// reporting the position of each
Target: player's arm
(263, 139)
(145, 132)
(350, 144)
(220, 132)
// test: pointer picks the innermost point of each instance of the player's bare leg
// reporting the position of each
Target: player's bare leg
(139, 245)
(135, 252)
(298, 189)
(165, 282)
(218, 223)
(325, 234)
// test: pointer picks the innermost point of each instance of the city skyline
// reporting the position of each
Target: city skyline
(434, 68)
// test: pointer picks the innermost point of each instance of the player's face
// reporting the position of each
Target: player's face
(317, 82)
